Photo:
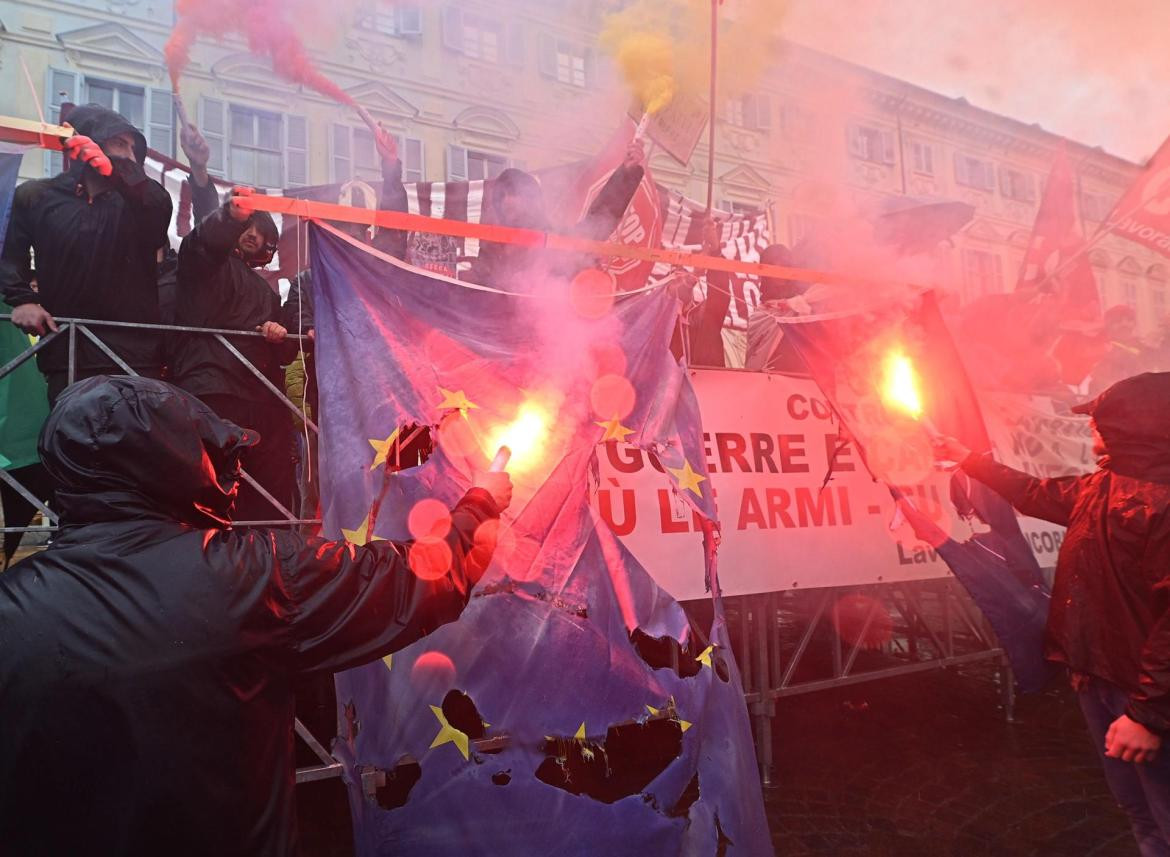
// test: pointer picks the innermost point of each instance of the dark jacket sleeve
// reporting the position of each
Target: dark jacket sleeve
(706, 322)
(16, 264)
(353, 604)
(208, 246)
(611, 204)
(1151, 705)
(392, 241)
(1047, 499)
(204, 200)
(149, 198)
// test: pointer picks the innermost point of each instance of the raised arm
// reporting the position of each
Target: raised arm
(352, 604)
(607, 210)
(149, 200)
(391, 241)
(1047, 499)
(208, 246)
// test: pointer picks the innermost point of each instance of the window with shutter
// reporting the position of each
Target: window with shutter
(296, 145)
(922, 157)
(213, 127)
(413, 166)
(889, 148)
(409, 20)
(340, 156)
(456, 164)
(515, 44)
(161, 134)
(452, 20)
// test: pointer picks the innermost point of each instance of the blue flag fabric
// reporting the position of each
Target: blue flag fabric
(845, 354)
(546, 720)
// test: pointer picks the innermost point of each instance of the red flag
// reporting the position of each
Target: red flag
(1058, 245)
(1143, 213)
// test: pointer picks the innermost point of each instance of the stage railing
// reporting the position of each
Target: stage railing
(71, 328)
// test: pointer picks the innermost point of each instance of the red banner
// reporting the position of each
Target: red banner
(1143, 213)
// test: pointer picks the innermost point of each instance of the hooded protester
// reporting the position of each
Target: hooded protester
(515, 199)
(146, 657)
(1109, 622)
(95, 231)
(219, 286)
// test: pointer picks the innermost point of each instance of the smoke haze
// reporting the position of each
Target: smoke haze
(1092, 71)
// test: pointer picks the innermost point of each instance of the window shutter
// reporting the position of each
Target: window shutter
(408, 20)
(213, 127)
(160, 119)
(60, 86)
(590, 68)
(413, 165)
(456, 164)
(856, 141)
(453, 28)
(962, 175)
(340, 159)
(514, 49)
(988, 172)
(548, 55)
(763, 112)
(889, 148)
(1029, 188)
(296, 150)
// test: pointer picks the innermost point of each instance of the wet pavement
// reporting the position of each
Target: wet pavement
(928, 765)
(920, 765)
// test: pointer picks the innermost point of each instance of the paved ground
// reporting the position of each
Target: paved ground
(921, 766)
(927, 765)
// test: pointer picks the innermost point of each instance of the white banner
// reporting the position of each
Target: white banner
(769, 440)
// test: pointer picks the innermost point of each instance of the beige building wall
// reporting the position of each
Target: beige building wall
(469, 92)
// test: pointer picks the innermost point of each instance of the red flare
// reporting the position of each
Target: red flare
(267, 29)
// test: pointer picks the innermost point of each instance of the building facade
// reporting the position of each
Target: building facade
(469, 91)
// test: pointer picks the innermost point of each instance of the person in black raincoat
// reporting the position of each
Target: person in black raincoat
(1109, 622)
(95, 231)
(146, 656)
(219, 286)
(516, 200)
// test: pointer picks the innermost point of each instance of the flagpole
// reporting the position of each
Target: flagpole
(711, 118)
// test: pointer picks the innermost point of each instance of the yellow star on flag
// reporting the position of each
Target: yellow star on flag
(705, 656)
(455, 400)
(382, 449)
(448, 734)
(651, 709)
(685, 724)
(614, 430)
(687, 478)
(388, 660)
(358, 536)
(580, 736)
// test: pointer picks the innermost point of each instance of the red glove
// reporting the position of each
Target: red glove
(82, 148)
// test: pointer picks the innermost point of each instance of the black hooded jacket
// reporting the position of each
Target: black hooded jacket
(1110, 613)
(218, 289)
(94, 258)
(146, 656)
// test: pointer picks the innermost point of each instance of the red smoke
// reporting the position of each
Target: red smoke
(264, 23)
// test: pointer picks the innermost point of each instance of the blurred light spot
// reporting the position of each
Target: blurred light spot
(612, 396)
(429, 518)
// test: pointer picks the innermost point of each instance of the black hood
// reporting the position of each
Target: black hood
(127, 448)
(1133, 419)
(100, 124)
